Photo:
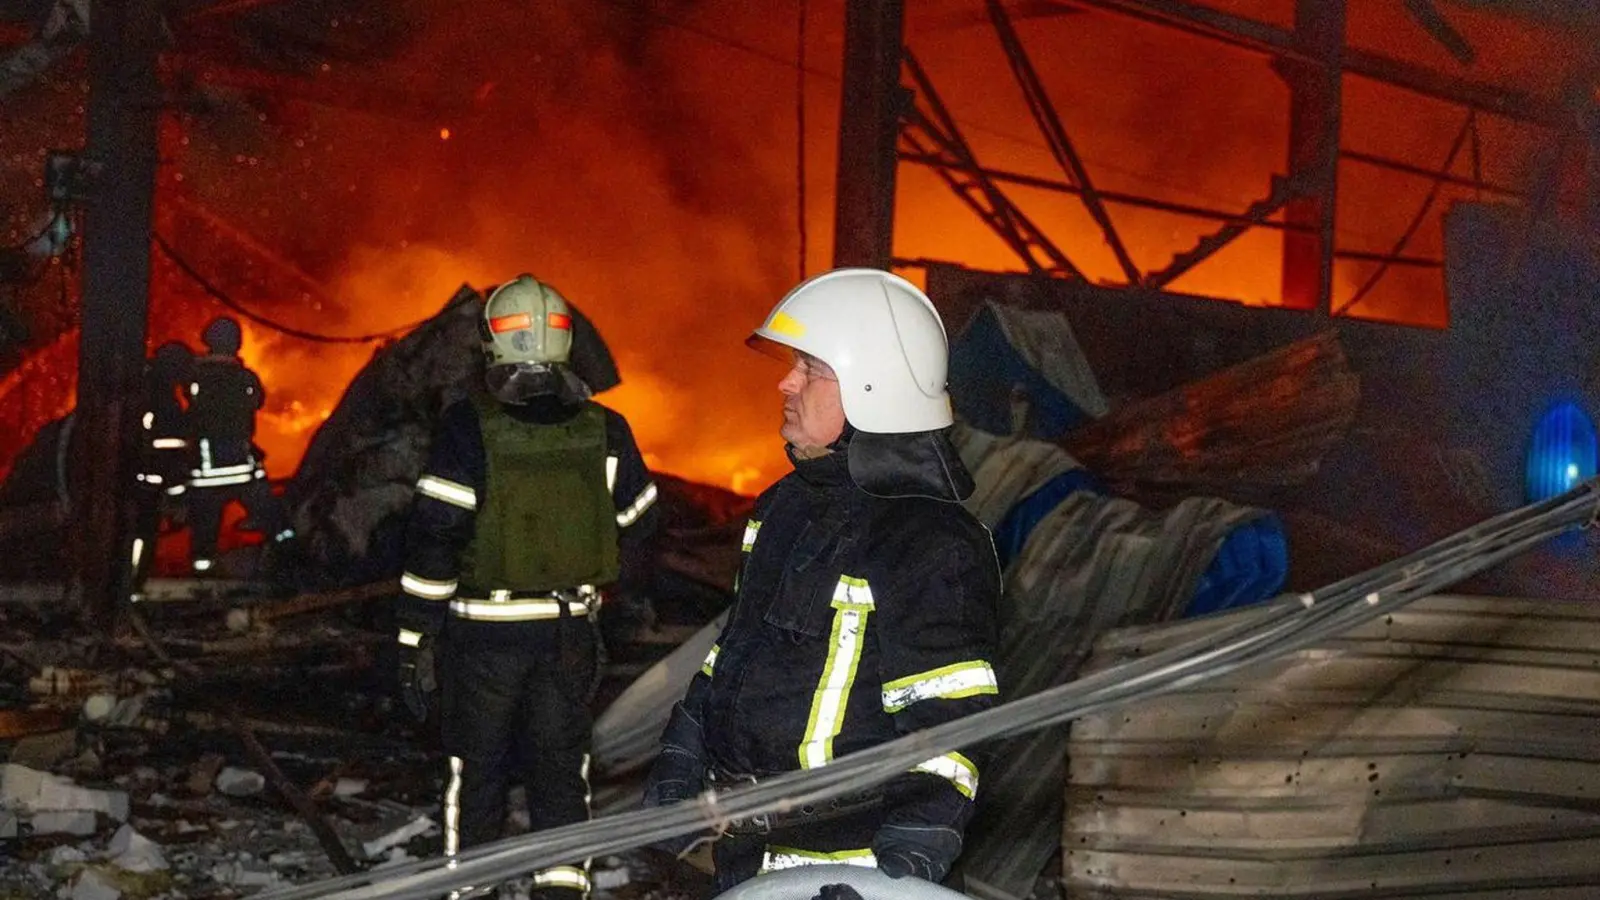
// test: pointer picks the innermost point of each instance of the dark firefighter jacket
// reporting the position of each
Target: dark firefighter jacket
(858, 619)
(444, 519)
(223, 399)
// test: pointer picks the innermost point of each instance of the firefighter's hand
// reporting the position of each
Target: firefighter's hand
(925, 852)
(417, 680)
(837, 892)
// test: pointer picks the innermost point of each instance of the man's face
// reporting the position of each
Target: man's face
(813, 415)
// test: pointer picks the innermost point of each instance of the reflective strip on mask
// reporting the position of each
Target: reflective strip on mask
(952, 682)
(751, 529)
(711, 659)
(501, 607)
(410, 638)
(427, 588)
(452, 808)
(956, 769)
(611, 474)
(446, 491)
(776, 859)
(852, 603)
(644, 501)
(562, 877)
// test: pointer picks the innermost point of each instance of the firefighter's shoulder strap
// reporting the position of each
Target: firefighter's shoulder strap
(547, 520)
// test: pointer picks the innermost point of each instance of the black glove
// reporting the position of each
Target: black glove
(417, 680)
(923, 851)
(679, 774)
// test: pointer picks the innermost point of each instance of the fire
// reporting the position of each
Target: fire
(646, 167)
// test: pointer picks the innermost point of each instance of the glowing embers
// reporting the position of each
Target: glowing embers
(1563, 452)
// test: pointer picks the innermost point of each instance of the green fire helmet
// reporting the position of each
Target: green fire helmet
(526, 321)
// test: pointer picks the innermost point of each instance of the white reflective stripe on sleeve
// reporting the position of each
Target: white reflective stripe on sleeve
(138, 551)
(513, 610)
(206, 471)
(644, 501)
(446, 491)
(169, 443)
(776, 859)
(427, 588)
(711, 659)
(956, 769)
(751, 529)
(852, 603)
(952, 682)
(452, 808)
(220, 480)
(410, 638)
(562, 877)
(611, 474)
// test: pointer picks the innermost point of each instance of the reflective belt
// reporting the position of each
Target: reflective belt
(776, 859)
(506, 606)
(711, 659)
(952, 682)
(644, 501)
(956, 769)
(852, 603)
(427, 588)
(446, 491)
(221, 476)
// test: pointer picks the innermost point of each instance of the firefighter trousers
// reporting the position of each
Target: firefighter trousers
(519, 713)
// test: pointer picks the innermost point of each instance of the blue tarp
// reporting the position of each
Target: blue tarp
(1250, 565)
(984, 370)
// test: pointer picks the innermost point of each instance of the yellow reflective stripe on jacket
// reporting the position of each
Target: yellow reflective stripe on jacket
(852, 603)
(446, 491)
(644, 501)
(410, 638)
(563, 877)
(956, 769)
(711, 659)
(427, 588)
(952, 682)
(751, 529)
(776, 859)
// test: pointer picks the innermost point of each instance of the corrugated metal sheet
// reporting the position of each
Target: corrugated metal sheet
(1451, 750)
(1092, 564)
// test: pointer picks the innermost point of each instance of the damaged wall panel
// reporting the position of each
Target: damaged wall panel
(1446, 750)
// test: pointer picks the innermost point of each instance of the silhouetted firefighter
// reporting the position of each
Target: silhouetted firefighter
(224, 396)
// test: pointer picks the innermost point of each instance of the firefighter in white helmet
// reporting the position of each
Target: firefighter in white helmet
(533, 498)
(867, 596)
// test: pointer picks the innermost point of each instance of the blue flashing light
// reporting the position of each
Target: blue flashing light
(1564, 453)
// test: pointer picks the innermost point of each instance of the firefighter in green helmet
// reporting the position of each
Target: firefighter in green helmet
(533, 497)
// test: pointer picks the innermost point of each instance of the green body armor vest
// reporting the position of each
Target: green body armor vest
(548, 521)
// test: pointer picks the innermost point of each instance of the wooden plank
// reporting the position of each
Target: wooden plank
(1516, 862)
(1116, 826)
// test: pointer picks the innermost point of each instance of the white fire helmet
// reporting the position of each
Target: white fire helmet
(526, 321)
(882, 337)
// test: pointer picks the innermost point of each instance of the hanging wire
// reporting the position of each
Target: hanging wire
(800, 132)
(1467, 128)
(222, 297)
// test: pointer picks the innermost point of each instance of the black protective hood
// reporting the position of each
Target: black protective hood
(920, 464)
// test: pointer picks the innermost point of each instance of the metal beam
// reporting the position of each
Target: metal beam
(1263, 38)
(1284, 191)
(1055, 134)
(1314, 117)
(124, 107)
(869, 120)
(976, 190)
